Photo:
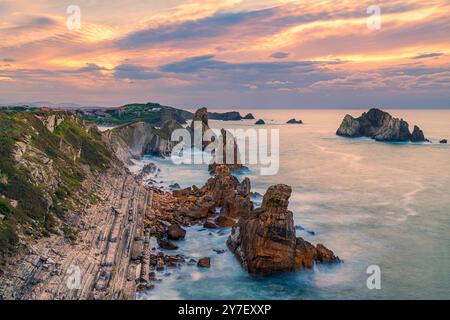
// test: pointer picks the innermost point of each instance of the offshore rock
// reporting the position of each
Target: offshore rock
(265, 242)
(294, 121)
(379, 125)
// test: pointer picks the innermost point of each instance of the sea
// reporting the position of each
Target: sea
(378, 206)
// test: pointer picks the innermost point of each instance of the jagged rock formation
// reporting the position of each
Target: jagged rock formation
(294, 121)
(220, 158)
(379, 125)
(132, 141)
(264, 240)
(221, 191)
(201, 116)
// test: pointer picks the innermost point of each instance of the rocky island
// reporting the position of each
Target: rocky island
(380, 126)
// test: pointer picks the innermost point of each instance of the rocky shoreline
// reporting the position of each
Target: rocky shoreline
(262, 239)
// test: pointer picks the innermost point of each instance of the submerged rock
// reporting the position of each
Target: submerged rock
(264, 241)
(379, 125)
(294, 121)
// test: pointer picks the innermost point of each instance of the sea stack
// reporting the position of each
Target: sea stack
(264, 241)
(380, 126)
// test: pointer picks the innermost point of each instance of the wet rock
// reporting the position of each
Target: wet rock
(210, 224)
(167, 245)
(325, 255)
(264, 241)
(204, 263)
(191, 262)
(219, 251)
(175, 232)
(260, 122)
(225, 222)
(202, 211)
(443, 141)
(175, 186)
(249, 116)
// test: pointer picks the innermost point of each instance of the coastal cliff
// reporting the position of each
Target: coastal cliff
(132, 141)
(69, 206)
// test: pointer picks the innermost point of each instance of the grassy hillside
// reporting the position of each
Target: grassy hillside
(41, 170)
(152, 113)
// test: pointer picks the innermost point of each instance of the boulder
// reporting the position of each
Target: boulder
(260, 122)
(175, 232)
(204, 262)
(249, 116)
(210, 224)
(379, 125)
(224, 221)
(443, 141)
(166, 244)
(265, 242)
(294, 121)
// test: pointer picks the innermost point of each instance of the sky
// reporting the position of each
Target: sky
(227, 54)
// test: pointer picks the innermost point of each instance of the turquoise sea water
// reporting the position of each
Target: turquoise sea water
(371, 203)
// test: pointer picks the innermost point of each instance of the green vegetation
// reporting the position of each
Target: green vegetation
(93, 151)
(62, 155)
(152, 113)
